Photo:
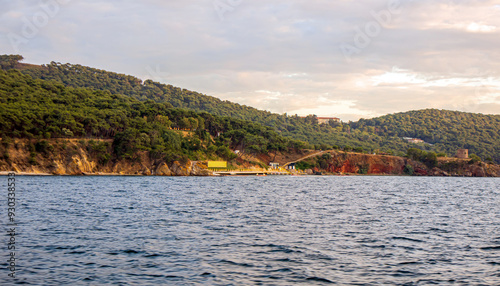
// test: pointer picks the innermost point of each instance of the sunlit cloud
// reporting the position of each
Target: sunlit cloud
(478, 28)
(283, 56)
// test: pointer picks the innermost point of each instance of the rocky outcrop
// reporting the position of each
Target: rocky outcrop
(69, 157)
(355, 163)
(163, 170)
(200, 169)
(366, 164)
(181, 169)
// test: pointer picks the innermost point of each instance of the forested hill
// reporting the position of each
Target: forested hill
(446, 130)
(40, 109)
(294, 127)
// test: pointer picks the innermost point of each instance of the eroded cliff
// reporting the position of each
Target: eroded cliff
(355, 163)
(72, 157)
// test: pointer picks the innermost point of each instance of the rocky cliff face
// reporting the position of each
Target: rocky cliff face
(70, 157)
(354, 163)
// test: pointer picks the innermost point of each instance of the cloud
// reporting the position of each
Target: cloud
(283, 56)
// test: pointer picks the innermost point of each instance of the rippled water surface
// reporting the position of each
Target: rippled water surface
(256, 231)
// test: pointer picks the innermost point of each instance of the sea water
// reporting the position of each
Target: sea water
(254, 231)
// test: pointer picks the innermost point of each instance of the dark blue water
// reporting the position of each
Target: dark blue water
(256, 231)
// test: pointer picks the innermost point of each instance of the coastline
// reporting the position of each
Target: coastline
(6, 173)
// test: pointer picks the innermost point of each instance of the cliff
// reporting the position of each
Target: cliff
(355, 163)
(72, 157)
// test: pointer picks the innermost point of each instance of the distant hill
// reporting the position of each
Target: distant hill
(447, 130)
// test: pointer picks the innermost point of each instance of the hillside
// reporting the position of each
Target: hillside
(447, 131)
(40, 110)
(294, 127)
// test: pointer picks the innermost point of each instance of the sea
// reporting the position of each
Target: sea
(282, 230)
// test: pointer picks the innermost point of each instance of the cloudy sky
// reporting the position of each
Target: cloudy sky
(342, 58)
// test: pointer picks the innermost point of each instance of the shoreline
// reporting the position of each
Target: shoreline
(6, 173)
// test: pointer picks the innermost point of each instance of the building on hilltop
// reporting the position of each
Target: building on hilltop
(415, 141)
(326, 120)
(463, 153)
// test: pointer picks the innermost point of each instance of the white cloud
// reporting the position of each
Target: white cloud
(478, 28)
(283, 55)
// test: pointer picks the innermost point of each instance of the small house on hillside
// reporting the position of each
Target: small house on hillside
(413, 140)
(274, 165)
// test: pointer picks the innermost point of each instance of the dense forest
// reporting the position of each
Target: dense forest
(442, 130)
(41, 109)
(447, 131)
(294, 127)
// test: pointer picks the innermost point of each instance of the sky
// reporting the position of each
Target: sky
(347, 59)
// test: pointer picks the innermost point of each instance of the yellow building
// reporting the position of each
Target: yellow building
(217, 165)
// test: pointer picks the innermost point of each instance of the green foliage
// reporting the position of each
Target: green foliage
(358, 150)
(416, 154)
(100, 150)
(303, 165)
(363, 170)
(9, 61)
(323, 161)
(43, 147)
(226, 153)
(293, 127)
(29, 106)
(32, 159)
(428, 158)
(474, 158)
(446, 130)
(408, 169)
(6, 141)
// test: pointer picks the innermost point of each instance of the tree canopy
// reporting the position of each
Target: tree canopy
(447, 131)
(35, 108)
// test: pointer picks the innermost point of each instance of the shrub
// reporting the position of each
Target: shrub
(363, 171)
(408, 169)
(358, 150)
(474, 159)
(43, 147)
(32, 159)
